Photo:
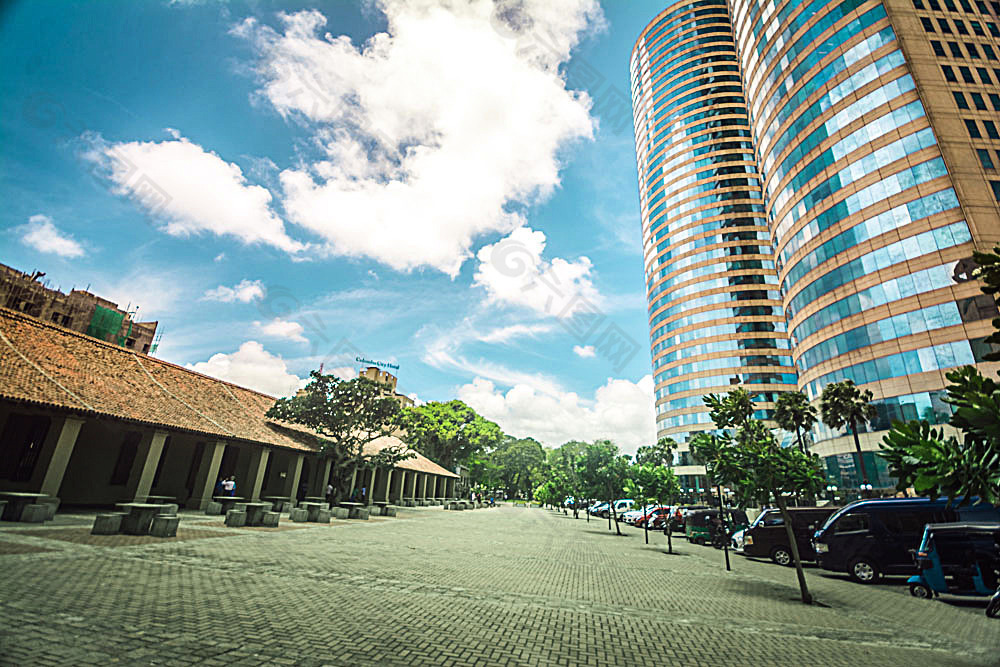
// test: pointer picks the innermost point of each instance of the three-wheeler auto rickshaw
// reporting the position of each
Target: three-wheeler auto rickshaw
(957, 559)
(699, 525)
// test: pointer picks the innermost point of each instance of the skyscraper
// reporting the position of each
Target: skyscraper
(874, 126)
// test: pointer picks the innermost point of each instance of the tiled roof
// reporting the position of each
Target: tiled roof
(419, 462)
(44, 364)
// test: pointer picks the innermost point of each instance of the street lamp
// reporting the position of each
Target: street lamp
(866, 489)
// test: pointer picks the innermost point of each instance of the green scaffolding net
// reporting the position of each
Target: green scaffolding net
(105, 324)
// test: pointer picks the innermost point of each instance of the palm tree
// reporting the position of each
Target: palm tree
(844, 405)
(793, 412)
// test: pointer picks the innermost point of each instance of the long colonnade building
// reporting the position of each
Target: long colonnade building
(874, 130)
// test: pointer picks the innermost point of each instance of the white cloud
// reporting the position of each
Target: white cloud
(343, 372)
(244, 291)
(584, 350)
(41, 234)
(428, 133)
(154, 293)
(514, 272)
(279, 328)
(621, 411)
(191, 190)
(254, 367)
(509, 333)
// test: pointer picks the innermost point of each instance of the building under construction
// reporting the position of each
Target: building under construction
(79, 310)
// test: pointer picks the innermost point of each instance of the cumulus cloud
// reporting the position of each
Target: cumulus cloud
(584, 350)
(253, 367)
(279, 328)
(41, 234)
(244, 291)
(190, 190)
(621, 411)
(429, 133)
(514, 272)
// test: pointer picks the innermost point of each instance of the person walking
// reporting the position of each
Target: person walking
(230, 486)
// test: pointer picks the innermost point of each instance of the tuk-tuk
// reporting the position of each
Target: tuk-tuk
(698, 524)
(957, 559)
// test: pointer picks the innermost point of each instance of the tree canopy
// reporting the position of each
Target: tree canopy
(448, 433)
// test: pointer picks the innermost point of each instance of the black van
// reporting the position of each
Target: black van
(767, 538)
(869, 538)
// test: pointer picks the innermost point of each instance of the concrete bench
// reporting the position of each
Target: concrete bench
(213, 509)
(107, 524)
(271, 519)
(165, 526)
(339, 512)
(170, 509)
(240, 507)
(388, 511)
(358, 513)
(374, 510)
(35, 513)
(51, 504)
(323, 516)
(236, 519)
(299, 515)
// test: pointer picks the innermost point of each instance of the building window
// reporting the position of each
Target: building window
(949, 73)
(945, 28)
(962, 30)
(973, 129)
(973, 51)
(126, 457)
(960, 99)
(955, 50)
(966, 74)
(938, 49)
(965, 5)
(992, 27)
(935, 5)
(976, 308)
(982, 7)
(990, 53)
(978, 101)
(918, 4)
(977, 28)
(996, 190)
(984, 74)
(950, 4)
(926, 22)
(20, 444)
(984, 158)
(991, 129)
(995, 101)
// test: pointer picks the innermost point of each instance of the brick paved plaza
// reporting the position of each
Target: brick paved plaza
(502, 586)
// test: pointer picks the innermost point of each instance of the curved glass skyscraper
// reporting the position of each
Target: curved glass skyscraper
(714, 307)
(874, 126)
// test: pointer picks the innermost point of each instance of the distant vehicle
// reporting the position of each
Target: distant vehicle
(651, 515)
(621, 506)
(698, 524)
(633, 515)
(870, 538)
(767, 538)
(597, 508)
(957, 559)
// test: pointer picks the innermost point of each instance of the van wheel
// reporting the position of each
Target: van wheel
(781, 556)
(863, 571)
(700, 541)
(920, 591)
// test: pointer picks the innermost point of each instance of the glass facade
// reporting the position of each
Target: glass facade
(715, 310)
(802, 223)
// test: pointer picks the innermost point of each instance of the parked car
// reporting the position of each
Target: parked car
(597, 508)
(767, 538)
(870, 538)
(698, 524)
(736, 543)
(621, 506)
(651, 515)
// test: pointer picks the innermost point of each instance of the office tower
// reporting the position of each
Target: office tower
(875, 130)
(714, 307)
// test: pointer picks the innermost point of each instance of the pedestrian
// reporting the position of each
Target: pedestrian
(329, 493)
(230, 486)
(220, 487)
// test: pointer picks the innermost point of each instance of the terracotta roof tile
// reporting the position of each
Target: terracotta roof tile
(45, 364)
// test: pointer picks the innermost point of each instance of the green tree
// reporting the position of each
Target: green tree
(793, 412)
(564, 458)
(844, 405)
(449, 433)
(732, 410)
(519, 464)
(347, 414)
(665, 490)
(758, 470)
(640, 485)
(603, 470)
(660, 454)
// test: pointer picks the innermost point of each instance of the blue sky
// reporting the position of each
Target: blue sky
(280, 185)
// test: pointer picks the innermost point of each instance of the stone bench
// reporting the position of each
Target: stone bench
(388, 511)
(165, 525)
(213, 509)
(299, 515)
(107, 524)
(51, 504)
(358, 513)
(323, 516)
(170, 509)
(35, 513)
(374, 510)
(339, 512)
(270, 519)
(236, 518)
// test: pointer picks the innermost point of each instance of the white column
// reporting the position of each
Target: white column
(60, 457)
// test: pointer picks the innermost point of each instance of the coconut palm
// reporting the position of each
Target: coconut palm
(844, 405)
(793, 412)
